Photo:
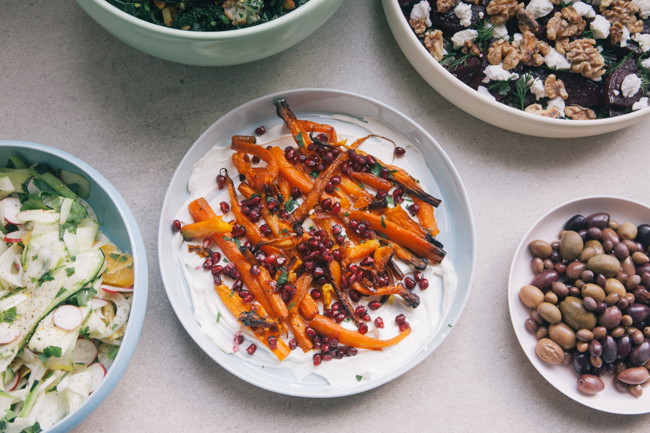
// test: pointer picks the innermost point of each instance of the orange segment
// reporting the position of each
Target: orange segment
(121, 278)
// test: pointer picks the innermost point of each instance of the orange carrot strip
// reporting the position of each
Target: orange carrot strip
(400, 217)
(426, 216)
(236, 306)
(325, 326)
(200, 210)
(308, 125)
(267, 175)
(302, 286)
(308, 307)
(362, 250)
(205, 229)
(279, 308)
(294, 176)
(353, 189)
(371, 180)
(402, 236)
(299, 329)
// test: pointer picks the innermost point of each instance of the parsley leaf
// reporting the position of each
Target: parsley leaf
(47, 276)
(358, 377)
(299, 140)
(291, 205)
(8, 316)
(49, 352)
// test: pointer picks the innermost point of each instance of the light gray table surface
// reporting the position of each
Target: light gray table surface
(66, 82)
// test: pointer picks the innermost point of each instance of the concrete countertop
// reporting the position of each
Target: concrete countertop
(67, 83)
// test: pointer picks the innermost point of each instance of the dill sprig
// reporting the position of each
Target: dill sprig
(454, 59)
(522, 87)
(502, 87)
(485, 33)
(617, 64)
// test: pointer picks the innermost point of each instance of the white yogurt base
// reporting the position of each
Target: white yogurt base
(221, 326)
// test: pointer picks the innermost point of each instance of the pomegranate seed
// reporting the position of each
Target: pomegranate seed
(284, 214)
(400, 318)
(295, 192)
(293, 344)
(354, 295)
(374, 305)
(329, 187)
(337, 254)
(280, 261)
(351, 351)
(354, 224)
(340, 240)
(339, 317)
(273, 342)
(317, 359)
(336, 230)
(327, 356)
(333, 342)
(379, 322)
(216, 256)
(206, 243)
(409, 283)
(266, 230)
(260, 130)
(238, 231)
(336, 180)
(404, 326)
(367, 261)
(310, 332)
(255, 270)
(336, 208)
(360, 310)
(237, 285)
(359, 275)
(225, 207)
(251, 349)
(255, 159)
(362, 328)
(221, 181)
(418, 276)
(316, 294)
(324, 347)
(336, 306)
(239, 339)
(326, 203)
(399, 151)
(382, 280)
(207, 264)
(327, 312)
(216, 270)
(365, 317)
(270, 259)
(414, 208)
(328, 257)
(339, 354)
(424, 284)
(176, 225)
(318, 272)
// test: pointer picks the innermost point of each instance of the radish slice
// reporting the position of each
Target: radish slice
(16, 236)
(13, 383)
(68, 317)
(85, 352)
(115, 289)
(97, 303)
(99, 371)
(11, 207)
(7, 334)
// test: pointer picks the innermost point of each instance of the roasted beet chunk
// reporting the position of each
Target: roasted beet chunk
(449, 22)
(582, 91)
(613, 94)
(467, 71)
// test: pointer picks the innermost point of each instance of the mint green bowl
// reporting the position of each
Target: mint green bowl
(220, 48)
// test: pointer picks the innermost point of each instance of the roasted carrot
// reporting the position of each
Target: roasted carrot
(299, 328)
(362, 250)
(200, 210)
(234, 303)
(398, 289)
(371, 180)
(400, 217)
(302, 286)
(426, 216)
(325, 326)
(313, 127)
(267, 175)
(363, 198)
(204, 229)
(402, 236)
(308, 307)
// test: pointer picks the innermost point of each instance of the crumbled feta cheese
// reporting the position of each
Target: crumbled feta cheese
(539, 8)
(584, 10)
(500, 32)
(517, 37)
(464, 13)
(485, 92)
(625, 37)
(497, 73)
(421, 11)
(640, 104)
(646, 64)
(643, 39)
(558, 103)
(631, 85)
(644, 8)
(481, 15)
(556, 60)
(537, 89)
(459, 38)
(600, 27)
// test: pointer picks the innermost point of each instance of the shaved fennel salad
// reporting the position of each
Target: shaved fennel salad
(65, 296)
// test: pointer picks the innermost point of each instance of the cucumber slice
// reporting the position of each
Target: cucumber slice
(46, 295)
(76, 182)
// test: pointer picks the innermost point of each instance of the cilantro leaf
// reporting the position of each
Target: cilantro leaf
(8, 316)
(49, 352)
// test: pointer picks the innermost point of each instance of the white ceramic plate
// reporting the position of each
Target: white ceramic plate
(547, 228)
(453, 215)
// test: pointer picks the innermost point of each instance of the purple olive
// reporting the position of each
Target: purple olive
(640, 354)
(610, 349)
(580, 364)
(543, 280)
(624, 345)
(638, 312)
(576, 223)
(599, 219)
(643, 235)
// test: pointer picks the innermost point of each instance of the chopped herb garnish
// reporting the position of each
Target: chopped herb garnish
(219, 314)
(314, 174)
(69, 272)
(50, 351)
(283, 278)
(299, 140)
(112, 353)
(291, 205)
(383, 222)
(8, 316)
(502, 87)
(358, 377)
(47, 276)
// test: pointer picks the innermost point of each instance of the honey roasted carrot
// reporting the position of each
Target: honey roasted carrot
(204, 229)
(330, 328)
(426, 216)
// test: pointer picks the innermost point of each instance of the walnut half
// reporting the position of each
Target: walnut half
(585, 58)
(564, 24)
(501, 11)
(503, 51)
(576, 112)
(539, 110)
(433, 42)
(554, 87)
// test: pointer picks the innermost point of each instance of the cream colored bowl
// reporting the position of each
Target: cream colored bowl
(496, 113)
(222, 48)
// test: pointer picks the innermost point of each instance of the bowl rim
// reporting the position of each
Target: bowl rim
(139, 300)
(392, 6)
(226, 35)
